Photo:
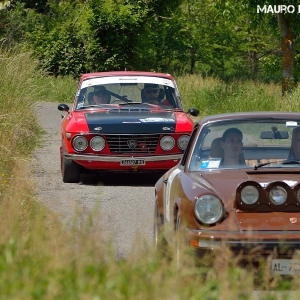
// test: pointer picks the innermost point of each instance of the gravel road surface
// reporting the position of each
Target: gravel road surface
(124, 203)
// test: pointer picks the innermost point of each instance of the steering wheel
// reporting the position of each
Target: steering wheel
(123, 98)
(152, 99)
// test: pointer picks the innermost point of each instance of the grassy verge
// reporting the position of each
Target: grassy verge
(39, 260)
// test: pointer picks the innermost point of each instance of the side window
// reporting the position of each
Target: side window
(81, 98)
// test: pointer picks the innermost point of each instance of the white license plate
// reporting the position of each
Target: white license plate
(285, 266)
(132, 162)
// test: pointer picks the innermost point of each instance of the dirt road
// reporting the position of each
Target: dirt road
(125, 202)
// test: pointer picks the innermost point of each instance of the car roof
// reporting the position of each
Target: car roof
(250, 115)
(126, 73)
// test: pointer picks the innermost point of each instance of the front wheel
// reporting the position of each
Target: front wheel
(70, 171)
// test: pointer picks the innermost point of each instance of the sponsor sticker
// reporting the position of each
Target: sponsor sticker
(153, 120)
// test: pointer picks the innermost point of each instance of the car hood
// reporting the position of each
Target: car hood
(261, 221)
(133, 122)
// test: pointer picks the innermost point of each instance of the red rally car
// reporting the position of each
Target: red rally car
(124, 121)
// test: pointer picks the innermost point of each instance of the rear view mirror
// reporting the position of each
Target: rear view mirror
(278, 134)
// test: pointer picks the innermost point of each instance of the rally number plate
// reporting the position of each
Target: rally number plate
(285, 266)
(132, 162)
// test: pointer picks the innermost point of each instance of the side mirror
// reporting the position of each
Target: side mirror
(63, 107)
(193, 111)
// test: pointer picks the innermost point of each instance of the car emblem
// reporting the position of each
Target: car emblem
(167, 128)
(98, 128)
(131, 144)
(293, 220)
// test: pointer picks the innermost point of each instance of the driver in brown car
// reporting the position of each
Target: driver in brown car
(232, 145)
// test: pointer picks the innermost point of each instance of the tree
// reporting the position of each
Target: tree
(286, 13)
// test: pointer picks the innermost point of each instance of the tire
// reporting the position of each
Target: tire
(70, 171)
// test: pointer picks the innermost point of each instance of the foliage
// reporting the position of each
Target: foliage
(211, 38)
(39, 259)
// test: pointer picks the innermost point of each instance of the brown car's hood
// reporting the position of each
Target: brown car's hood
(224, 184)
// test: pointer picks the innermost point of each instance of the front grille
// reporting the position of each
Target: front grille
(124, 144)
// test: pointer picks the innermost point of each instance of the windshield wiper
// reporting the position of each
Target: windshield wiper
(291, 162)
(261, 165)
(286, 162)
(93, 105)
(130, 103)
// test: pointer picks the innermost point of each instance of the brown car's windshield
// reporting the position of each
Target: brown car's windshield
(247, 144)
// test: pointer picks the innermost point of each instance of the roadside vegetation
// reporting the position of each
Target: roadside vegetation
(39, 259)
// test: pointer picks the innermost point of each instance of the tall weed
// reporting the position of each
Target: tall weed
(39, 259)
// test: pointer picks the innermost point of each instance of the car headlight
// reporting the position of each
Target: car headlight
(249, 194)
(97, 143)
(277, 195)
(183, 141)
(167, 142)
(208, 209)
(80, 143)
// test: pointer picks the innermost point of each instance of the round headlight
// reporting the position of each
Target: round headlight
(80, 143)
(183, 141)
(97, 143)
(249, 194)
(208, 209)
(167, 142)
(278, 195)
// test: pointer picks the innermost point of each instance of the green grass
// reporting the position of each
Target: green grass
(40, 260)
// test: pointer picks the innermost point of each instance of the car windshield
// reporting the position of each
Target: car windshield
(128, 91)
(259, 143)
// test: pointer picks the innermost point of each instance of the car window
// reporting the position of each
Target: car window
(252, 142)
(123, 90)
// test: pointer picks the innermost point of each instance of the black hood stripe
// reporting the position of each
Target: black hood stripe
(131, 123)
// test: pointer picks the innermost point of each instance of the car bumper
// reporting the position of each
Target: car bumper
(265, 242)
(113, 163)
(118, 159)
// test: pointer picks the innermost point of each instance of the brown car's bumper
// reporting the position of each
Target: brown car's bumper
(246, 242)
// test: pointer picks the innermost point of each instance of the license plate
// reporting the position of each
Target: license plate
(132, 162)
(285, 266)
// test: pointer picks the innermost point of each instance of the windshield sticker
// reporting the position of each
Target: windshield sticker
(126, 79)
(156, 120)
(210, 164)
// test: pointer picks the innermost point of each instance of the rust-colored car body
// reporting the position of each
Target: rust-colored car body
(128, 133)
(259, 201)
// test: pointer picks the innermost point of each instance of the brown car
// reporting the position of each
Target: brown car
(237, 184)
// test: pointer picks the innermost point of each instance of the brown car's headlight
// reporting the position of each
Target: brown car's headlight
(277, 195)
(183, 141)
(167, 142)
(208, 209)
(97, 143)
(80, 143)
(249, 194)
